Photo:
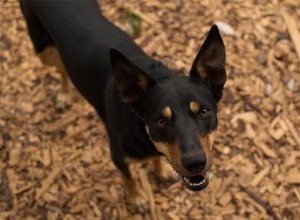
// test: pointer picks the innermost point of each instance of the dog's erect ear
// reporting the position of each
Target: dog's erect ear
(131, 81)
(209, 64)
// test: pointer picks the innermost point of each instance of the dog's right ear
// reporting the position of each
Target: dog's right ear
(209, 64)
(132, 82)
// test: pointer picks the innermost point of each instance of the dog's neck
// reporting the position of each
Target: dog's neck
(154, 68)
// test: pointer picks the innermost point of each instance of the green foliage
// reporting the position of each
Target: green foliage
(135, 21)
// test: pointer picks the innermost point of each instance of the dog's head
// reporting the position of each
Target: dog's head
(179, 112)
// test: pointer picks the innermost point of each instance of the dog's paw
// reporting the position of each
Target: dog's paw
(138, 199)
(63, 101)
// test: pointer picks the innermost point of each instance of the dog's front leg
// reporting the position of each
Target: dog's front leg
(134, 194)
(163, 170)
(51, 57)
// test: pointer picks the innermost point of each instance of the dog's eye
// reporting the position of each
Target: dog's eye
(161, 122)
(203, 112)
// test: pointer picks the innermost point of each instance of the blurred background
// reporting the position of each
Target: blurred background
(56, 164)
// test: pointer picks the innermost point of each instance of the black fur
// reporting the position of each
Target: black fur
(141, 86)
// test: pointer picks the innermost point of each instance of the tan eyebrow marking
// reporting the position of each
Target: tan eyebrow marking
(194, 106)
(167, 112)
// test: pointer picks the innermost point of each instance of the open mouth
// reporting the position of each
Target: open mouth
(196, 183)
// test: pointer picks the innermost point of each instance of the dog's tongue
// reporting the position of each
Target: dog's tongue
(196, 183)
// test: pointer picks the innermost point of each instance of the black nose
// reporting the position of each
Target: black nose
(194, 163)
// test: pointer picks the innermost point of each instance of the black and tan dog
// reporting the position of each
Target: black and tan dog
(149, 110)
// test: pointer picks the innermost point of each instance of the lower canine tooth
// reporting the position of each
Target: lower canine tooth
(187, 179)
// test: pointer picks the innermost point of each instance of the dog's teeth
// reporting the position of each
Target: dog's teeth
(187, 179)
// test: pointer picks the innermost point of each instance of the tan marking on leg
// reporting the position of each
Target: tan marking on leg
(194, 106)
(167, 112)
(51, 57)
(130, 160)
(163, 169)
(135, 195)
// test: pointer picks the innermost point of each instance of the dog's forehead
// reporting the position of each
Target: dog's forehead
(183, 89)
(178, 92)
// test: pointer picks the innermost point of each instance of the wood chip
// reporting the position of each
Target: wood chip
(258, 177)
(293, 131)
(225, 28)
(14, 157)
(292, 27)
(297, 193)
(266, 150)
(292, 179)
(248, 117)
(60, 123)
(48, 181)
(225, 199)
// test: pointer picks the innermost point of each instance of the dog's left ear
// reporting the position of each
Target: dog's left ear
(209, 64)
(132, 82)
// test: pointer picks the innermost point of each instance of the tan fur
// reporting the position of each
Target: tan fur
(167, 112)
(211, 139)
(51, 57)
(207, 144)
(130, 160)
(173, 154)
(134, 194)
(201, 70)
(171, 151)
(194, 107)
(157, 166)
(142, 82)
(163, 170)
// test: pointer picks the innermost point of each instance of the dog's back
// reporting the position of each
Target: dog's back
(83, 41)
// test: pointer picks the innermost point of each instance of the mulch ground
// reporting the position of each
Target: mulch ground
(56, 164)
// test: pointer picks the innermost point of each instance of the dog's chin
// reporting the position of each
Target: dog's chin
(197, 182)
